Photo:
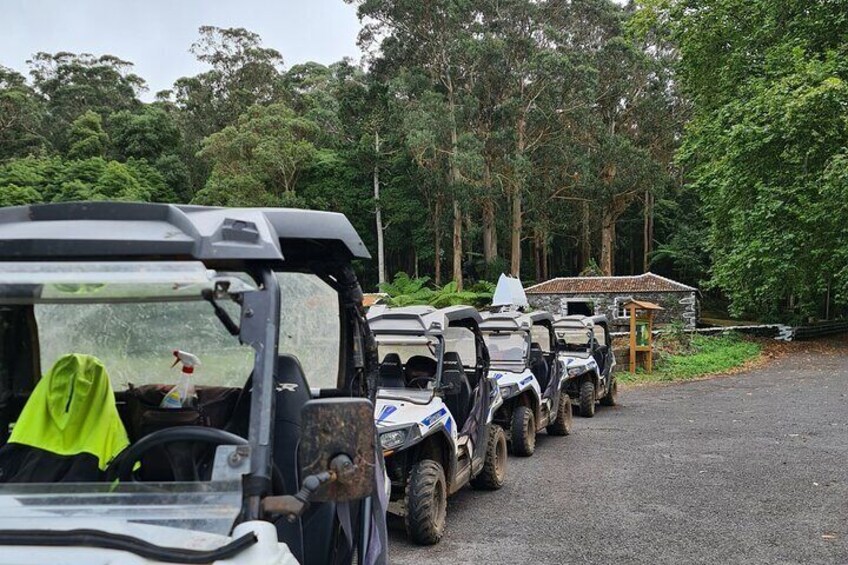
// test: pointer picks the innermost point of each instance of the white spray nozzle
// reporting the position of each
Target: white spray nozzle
(188, 360)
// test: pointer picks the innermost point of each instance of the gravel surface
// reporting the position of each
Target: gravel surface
(751, 468)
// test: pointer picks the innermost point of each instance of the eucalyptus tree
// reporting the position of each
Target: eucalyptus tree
(432, 37)
(72, 84)
(22, 114)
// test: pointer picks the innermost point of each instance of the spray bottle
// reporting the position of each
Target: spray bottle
(182, 394)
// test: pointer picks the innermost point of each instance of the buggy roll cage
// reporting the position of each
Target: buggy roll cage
(257, 241)
(427, 321)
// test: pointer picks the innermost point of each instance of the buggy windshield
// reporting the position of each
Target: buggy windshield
(506, 347)
(128, 318)
(407, 361)
(132, 316)
(573, 336)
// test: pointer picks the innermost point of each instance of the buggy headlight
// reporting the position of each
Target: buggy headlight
(509, 391)
(390, 440)
(574, 371)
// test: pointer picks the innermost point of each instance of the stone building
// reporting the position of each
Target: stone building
(607, 295)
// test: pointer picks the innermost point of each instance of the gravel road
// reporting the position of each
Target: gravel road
(751, 468)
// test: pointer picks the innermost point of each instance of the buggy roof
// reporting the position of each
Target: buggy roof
(418, 320)
(506, 321)
(113, 230)
(577, 320)
(540, 317)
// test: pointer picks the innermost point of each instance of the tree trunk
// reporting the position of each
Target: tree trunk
(455, 179)
(545, 258)
(648, 235)
(515, 235)
(437, 229)
(608, 242)
(381, 252)
(537, 254)
(517, 189)
(457, 244)
(490, 234)
(585, 237)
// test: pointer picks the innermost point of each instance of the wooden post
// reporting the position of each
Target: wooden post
(632, 308)
(650, 361)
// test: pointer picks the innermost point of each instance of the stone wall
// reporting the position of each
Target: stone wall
(678, 306)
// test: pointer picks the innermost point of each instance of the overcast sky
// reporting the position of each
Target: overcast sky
(156, 34)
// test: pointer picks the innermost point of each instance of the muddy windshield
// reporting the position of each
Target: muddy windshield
(132, 316)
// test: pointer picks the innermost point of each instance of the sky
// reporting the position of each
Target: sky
(156, 34)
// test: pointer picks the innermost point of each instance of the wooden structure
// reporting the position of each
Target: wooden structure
(641, 332)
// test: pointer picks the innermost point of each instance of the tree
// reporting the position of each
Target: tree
(73, 84)
(765, 149)
(21, 116)
(147, 133)
(260, 158)
(86, 137)
(242, 74)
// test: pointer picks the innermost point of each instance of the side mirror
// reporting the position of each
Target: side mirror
(337, 436)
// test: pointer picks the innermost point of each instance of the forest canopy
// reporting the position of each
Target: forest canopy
(702, 139)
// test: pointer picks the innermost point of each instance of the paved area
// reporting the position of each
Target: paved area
(751, 468)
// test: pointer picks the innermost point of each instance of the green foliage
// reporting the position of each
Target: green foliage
(406, 291)
(259, 159)
(86, 137)
(14, 195)
(148, 133)
(34, 180)
(708, 356)
(72, 84)
(21, 116)
(769, 82)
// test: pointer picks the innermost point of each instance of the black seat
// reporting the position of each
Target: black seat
(600, 356)
(539, 366)
(391, 372)
(419, 370)
(310, 539)
(458, 393)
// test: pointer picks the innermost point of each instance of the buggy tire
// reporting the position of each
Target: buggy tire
(587, 398)
(523, 431)
(564, 419)
(492, 475)
(426, 502)
(611, 398)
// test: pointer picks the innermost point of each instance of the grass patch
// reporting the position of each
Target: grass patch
(705, 355)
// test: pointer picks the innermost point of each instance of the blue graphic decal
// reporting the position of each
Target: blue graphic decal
(526, 380)
(449, 424)
(386, 412)
(431, 419)
(498, 376)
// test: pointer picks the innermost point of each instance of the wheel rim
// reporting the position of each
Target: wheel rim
(440, 503)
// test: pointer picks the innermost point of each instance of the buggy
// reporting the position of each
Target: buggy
(587, 355)
(528, 372)
(273, 460)
(434, 411)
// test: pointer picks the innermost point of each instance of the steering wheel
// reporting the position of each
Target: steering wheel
(122, 467)
(427, 379)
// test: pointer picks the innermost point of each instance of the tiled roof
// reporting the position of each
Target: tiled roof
(371, 298)
(649, 282)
